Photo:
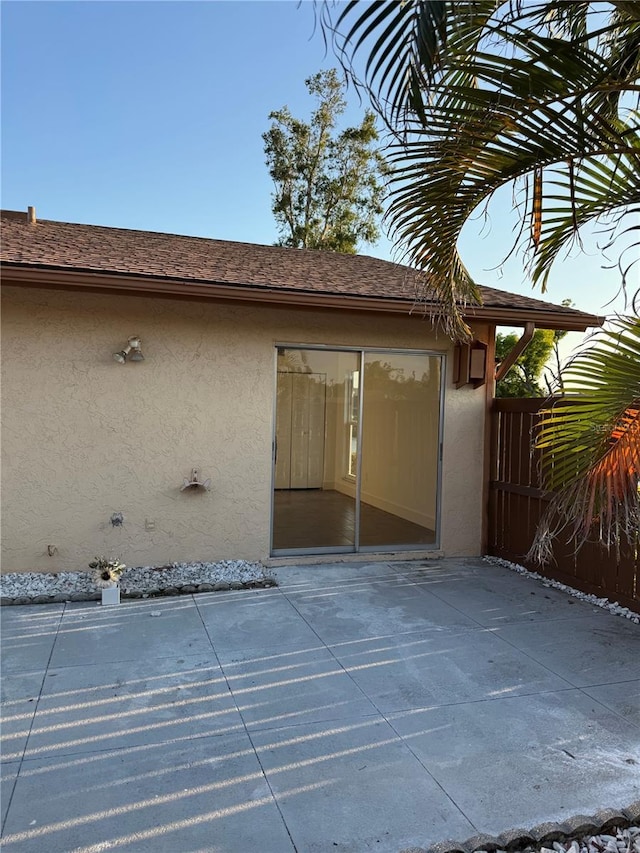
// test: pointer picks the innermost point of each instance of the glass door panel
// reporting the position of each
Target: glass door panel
(400, 450)
(315, 448)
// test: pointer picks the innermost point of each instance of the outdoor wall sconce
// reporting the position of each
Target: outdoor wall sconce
(131, 352)
(470, 364)
(194, 482)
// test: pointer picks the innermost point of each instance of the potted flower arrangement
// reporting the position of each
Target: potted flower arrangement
(106, 574)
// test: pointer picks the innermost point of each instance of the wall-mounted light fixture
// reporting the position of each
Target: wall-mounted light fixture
(131, 352)
(194, 482)
(470, 364)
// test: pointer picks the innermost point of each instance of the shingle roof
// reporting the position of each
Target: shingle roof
(151, 255)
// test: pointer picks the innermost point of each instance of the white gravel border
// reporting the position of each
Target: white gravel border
(140, 581)
(615, 841)
(612, 607)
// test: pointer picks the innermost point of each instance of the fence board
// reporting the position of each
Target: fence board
(628, 575)
(516, 505)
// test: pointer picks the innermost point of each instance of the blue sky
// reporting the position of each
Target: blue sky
(150, 114)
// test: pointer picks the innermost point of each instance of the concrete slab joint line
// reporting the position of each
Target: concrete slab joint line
(543, 834)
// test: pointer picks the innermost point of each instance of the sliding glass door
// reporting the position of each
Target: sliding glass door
(356, 450)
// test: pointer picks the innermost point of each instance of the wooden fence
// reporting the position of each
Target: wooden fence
(516, 504)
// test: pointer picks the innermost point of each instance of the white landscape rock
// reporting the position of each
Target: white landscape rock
(612, 607)
(138, 581)
(625, 840)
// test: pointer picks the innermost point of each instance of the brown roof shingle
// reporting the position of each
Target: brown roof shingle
(95, 249)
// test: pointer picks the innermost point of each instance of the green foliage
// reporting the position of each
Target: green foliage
(541, 97)
(555, 385)
(328, 184)
(523, 379)
(590, 444)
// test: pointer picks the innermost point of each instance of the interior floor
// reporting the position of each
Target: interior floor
(318, 518)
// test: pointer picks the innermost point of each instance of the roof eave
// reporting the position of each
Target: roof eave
(70, 279)
(543, 318)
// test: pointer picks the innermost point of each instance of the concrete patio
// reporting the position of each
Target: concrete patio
(355, 707)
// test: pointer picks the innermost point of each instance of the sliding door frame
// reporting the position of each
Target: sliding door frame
(357, 548)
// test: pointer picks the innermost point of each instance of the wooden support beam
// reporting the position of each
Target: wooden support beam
(517, 351)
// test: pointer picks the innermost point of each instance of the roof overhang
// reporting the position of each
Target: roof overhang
(88, 280)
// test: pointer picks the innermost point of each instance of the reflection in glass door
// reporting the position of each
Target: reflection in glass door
(356, 450)
(400, 450)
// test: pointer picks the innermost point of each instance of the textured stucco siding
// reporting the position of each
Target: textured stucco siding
(84, 437)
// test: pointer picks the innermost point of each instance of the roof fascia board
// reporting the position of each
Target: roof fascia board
(46, 277)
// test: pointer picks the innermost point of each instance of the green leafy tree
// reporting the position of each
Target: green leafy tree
(555, 381)
(329, 184)
(523, 379)
(541, 97)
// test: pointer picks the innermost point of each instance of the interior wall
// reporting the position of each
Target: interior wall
(85, 438)
(401, 416)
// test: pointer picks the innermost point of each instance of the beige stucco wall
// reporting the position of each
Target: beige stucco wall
(84, 437)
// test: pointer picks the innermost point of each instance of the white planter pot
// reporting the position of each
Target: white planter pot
(111, 595)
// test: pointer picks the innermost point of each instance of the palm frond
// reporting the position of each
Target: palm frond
(600, 189)
(487, 94)
(590, 444)
(406, 44)
(437, 183)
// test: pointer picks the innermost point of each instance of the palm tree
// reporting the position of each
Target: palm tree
(484, 94)
(541, 96)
